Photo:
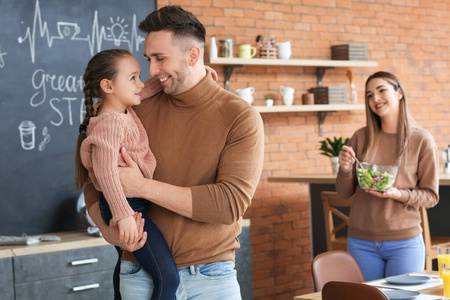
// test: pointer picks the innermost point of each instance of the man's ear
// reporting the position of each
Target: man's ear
(106, 86)
(194, 55)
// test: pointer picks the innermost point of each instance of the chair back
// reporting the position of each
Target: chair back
(338, 290)
(426, 237)
(335, 266)
(331, 203)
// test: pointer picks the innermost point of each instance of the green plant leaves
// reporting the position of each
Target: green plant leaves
(332, 148)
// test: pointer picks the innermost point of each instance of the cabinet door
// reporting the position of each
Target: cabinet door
(6, 279)
(51, 265)
(97, 285)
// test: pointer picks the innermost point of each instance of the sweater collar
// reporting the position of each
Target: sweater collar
(196, 96)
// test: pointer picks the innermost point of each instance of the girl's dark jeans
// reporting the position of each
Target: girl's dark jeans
(155, 256)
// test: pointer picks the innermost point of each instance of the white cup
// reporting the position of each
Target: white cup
(284, 50)
(288, 95)
(246, 94)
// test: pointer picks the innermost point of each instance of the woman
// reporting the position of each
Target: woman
(384, 227)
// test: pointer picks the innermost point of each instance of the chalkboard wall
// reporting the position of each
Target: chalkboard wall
(44, 48)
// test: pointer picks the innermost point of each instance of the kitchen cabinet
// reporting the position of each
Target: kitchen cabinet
(321, 66)
(6, 279)
(79, 267)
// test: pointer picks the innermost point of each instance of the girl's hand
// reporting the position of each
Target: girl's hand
(393, 193)
(111, 234)
(214, 75)
(346, 159)
(128, 231)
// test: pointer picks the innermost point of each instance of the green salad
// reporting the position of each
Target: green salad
(375, 180)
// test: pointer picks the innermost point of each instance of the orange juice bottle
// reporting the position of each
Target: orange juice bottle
(441, 258)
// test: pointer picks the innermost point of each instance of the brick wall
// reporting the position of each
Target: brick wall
(409, 38)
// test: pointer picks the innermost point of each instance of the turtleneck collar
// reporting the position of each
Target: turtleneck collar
(196, 96)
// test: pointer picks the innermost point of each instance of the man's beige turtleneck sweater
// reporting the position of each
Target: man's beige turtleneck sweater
(212, 141)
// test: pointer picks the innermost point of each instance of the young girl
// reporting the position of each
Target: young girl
(113, 77)
(384, 227)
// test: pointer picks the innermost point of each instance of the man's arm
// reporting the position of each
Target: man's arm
(224, 201)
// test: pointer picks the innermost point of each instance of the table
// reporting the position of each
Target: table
(438, 290)
(326, 182)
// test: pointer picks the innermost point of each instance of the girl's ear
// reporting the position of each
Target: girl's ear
(106, 86)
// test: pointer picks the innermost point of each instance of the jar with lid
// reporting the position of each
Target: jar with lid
(226, 48)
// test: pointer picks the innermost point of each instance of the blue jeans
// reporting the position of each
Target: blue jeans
(216, 281)
(155, 256)
(389, 258)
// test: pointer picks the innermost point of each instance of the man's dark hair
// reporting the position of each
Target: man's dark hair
(175, 19)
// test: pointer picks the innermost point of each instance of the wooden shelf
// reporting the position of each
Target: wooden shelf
(309, 108)
(321, 109)
(291, 62)
(320, 65)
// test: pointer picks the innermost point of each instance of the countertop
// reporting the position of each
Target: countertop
(444, 179)
(69, 240)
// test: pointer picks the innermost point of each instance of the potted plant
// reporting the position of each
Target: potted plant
(332, 148)
(268, 99)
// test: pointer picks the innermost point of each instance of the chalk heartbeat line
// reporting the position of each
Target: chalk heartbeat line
(116, 33)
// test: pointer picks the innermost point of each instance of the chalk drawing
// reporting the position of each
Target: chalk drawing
(2, 61)
(116, 33)
(117, 30)
(26, 129)
(46, 139)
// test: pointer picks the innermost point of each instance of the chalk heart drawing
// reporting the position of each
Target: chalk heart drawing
(2, 61)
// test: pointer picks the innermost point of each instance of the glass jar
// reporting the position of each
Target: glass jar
(226, 48)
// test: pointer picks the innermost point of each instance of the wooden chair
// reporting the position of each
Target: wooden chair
(331, 201)
(431, 242)
(335, 265)
(337, 290)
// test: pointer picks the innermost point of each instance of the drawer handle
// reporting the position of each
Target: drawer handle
(84, 261)
(85, 287)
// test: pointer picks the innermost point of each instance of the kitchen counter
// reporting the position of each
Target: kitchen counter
(444, 179)
(69, 240)
(326, 182)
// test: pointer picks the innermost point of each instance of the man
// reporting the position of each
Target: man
(209, 147)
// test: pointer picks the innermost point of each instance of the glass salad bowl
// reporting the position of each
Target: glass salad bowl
(376, 177)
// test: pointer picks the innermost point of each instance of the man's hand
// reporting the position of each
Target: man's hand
(131, 176)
